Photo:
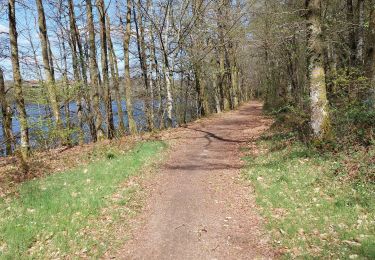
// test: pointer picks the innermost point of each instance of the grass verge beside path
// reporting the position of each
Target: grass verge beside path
(61, 215)
(311, 208)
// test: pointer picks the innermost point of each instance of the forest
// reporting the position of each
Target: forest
(164, 60)
(89, 74)
(172, 62)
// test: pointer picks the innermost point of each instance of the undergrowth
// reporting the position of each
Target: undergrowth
(317, 205)
(58, 216)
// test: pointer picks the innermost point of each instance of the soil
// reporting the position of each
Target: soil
(198, 206)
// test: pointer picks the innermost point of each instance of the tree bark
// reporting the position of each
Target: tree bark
(351, 29)
(320, 122)
(224, 84)
(370, 51)
(94, 72)
(6, 111)
(128, 87)
(152, 63)
(200, 87)
(197, 47)
(25, 145)
(234, 76)
(361, 31)
(104, 65)
(167, 71)
(370, 54)
(154, 68)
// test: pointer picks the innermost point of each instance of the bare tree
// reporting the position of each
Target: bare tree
(128, 86)
(115, 76)
(47, 62)
(104, 65)
(94, 71)
(139, 28)
(25, 145)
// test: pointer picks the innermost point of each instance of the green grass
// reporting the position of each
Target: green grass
(311, 210)
(54, 216)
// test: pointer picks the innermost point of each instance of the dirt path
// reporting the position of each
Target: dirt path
(198, 207)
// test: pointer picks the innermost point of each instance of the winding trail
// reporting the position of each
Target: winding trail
(199, 208)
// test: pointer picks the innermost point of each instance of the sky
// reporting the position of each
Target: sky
(26, 26)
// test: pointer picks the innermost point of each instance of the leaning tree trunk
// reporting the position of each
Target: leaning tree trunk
(128, 87)
(47, 61)
(25, 145)
(7, 116)
(320, 122)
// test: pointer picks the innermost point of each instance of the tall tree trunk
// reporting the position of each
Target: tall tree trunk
(294, 91)
(197, 49)
(115, 77)
(370, 51)
(223, 64)
(200, 86)
(104, 65)
(234, 76)
(65, 87)
(6, 111)
(128, 87)
(215, 80)
(76, 68)
(361, 32)
(351, 32)
(370, 55)
(86, 93)
(84, 58)
(152, 62)
(167, 71)
(320, 122)
(47, 60)
(50, 57)
(139, 28)
(25, 145)
(94, 72)
(154, 67)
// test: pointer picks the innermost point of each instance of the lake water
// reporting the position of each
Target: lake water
(39, 121)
